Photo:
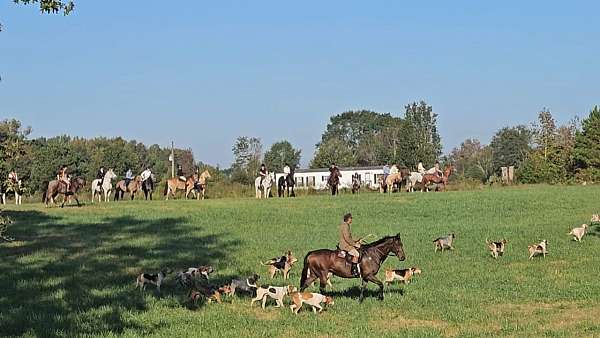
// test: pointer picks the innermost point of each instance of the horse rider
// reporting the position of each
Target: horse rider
(355, 177)
(332, 168)
(386, 171)
(146, 174)
(180, 173)
(63, 176)
(286, 170)
(13, 177)
(100, 175)
(262, 172)
(350, 245)
(128, 177)
(435, 170)
(420, 168)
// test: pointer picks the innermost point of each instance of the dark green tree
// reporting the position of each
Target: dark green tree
(370, 136)
(587, 147)
(279, 154)
(333, 151)
(510, 146)
(247, 154)
(422, 141)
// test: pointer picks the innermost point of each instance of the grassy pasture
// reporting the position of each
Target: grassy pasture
(72, 271)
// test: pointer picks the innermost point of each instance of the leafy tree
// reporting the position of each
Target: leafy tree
(361, 132)
(14, 148)
(510, 146)
(247, 153)
(333, 151)
(422, 141)
(49, 6)
(282, 152)
(587, 146)
(473, 160)
(551, 159)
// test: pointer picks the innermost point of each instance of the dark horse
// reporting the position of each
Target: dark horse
(321, 262)
(56, 187)
(148, 187)
(334, 180)
(284, 184)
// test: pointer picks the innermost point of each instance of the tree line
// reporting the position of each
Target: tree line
(37, 160)
(542, 152)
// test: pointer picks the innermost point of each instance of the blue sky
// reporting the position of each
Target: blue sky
(203, 73)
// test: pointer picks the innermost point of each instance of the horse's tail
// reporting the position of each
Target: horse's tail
(305, 270)
(166, 188)
(44, 196)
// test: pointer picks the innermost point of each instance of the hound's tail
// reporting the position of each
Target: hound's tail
(305, 271)
(252, 285)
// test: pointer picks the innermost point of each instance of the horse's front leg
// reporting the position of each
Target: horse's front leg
(363, 287)
(373, 279)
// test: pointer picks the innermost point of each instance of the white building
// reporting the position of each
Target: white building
(317, 178)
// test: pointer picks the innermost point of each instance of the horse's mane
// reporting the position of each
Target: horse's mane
(379, 241)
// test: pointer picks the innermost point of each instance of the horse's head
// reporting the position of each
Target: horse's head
(110, 174)
(398, 248)
(205, 174)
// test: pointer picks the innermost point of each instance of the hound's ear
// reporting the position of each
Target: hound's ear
(398, 235)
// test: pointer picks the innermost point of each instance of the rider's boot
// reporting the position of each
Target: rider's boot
(354, 270)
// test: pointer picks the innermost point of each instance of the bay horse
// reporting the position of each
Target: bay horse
(175, 183)
(355, 185)
(429, 179)
(285, 184)
(324, 261)
(201, 185)
(132, 188)
(56, 187)
(98, 186)
(333, 181)
(148, 187)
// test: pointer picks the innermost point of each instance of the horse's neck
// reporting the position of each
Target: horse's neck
(380, 250)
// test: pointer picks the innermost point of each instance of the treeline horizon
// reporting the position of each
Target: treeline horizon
(543, 152)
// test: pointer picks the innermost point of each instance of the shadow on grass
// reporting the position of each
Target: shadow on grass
(66, 279)
(594, 230)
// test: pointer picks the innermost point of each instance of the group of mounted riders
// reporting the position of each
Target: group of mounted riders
(265, 179)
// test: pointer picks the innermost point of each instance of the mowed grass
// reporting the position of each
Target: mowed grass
(72, 271)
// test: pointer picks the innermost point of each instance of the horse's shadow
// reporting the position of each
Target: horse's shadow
(354, 292)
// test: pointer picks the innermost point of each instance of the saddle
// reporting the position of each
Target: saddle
(343, 254)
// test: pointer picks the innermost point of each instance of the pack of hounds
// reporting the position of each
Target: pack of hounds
(196, 279)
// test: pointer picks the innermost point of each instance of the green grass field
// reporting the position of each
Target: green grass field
(71, 271)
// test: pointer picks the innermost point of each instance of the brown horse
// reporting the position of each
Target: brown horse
(322, 262)
(174, 184)
(132, 188)
(56, 187)
(429, 179)
(334, 181)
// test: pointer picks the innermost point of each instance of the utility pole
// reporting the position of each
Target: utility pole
(172, 159)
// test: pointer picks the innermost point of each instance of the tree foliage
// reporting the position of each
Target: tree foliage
(510, 146)
(587, 147)
(279, 154)
(473, 160)
(551, 158)
(422, 140)
(247, 154)
(37, 161)
(367, 138)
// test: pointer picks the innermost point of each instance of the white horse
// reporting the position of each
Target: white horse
(104, 185)
(264, 190)
(412, 181)
(14, 185)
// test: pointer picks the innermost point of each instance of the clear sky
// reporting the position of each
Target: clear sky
(202, 73)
